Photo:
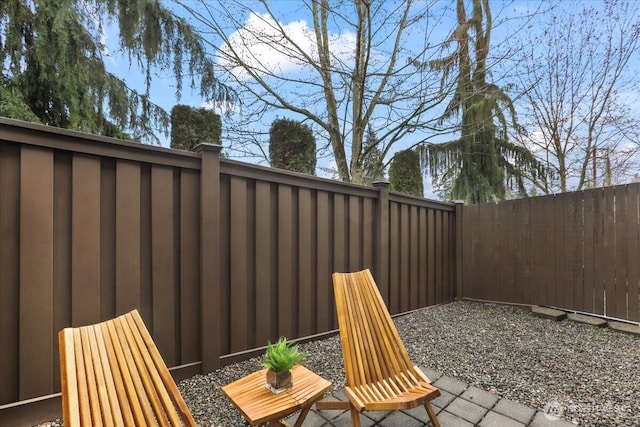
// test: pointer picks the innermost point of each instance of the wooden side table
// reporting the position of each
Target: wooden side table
(260, 407)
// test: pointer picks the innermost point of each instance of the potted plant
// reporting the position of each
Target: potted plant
(279, 358)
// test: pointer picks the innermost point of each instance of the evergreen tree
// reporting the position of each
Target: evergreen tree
(292, 146)
(405, 174)
(191, 126)
(477, 166)
(52, 58)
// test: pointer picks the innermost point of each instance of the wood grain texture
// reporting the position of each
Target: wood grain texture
(380, 374)
(112, 374)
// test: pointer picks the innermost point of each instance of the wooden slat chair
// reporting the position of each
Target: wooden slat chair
(380, 375)
(113, 375)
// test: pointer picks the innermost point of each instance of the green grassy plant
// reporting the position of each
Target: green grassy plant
(282, 356)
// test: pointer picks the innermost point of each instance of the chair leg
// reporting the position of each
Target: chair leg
(432, 414)
(355, 417)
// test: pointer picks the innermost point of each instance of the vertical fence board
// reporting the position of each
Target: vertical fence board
(240, 303)
(211, 250)
(189, 262)
(306, 271)
(286, 257)
(107, 238)
(9, 271)
(225, 263)
(63, 296)
(164, 292)
(368, 233)
(621, 227)
(128, 259)
(484, 248)
(453, 268)
(404, 241)
(608, 256)
(550, 250)
(439, 259)
(598, 251)
(423, 293)
(382, 239)
(468, 215)
(324, 293)
(339, 234)
(573, 248)
(36, 272)
(146, 291)
(589, 280)
(414, 261)
(265, 326)
(431, 257)
(394, 258)
(505, 241)
(633, 249)
(354, 221)
(446, 262)
(85, 240)
(522, 290)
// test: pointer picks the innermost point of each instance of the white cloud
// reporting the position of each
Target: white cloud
(260, 45)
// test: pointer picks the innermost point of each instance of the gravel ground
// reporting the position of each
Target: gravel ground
(585, 374)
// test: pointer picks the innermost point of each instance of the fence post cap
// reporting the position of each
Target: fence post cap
(458, 202)
(207, 146)
(380, 183)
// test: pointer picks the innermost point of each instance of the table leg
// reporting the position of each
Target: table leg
(302, 416)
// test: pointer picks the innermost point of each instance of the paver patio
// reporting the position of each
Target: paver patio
(460, 405)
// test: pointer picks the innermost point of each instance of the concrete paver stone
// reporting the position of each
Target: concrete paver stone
(480, 397)
(467, 410)
(493, 419)
(515, 410)
(452, 385)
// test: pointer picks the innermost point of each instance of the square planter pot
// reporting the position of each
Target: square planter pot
(277, 382)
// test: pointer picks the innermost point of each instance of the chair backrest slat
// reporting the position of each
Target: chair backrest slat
(373, 350)
(113, 374)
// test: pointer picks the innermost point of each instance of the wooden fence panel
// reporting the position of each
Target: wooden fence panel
(324, 291)
(219, 257)
(9, 271)
(305, 275)
(588, 273)
(287, 257)
(621, 227)
(423, 256)
(189, 275)
(633, 249)
(414, 260)
(63, 240)
(241, 300)
(576, 251)
(85, 238)
(128, 225)
(266, 310)
(36, 272)
(522, 274)
(608, 254)
(164, 292)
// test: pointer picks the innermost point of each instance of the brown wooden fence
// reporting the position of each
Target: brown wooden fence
(579, 251)
(219, 256)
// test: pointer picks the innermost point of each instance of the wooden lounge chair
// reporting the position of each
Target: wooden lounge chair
(112, 374)
(380, 375)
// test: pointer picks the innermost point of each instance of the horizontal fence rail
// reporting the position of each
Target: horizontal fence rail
(578, 251)
(218, 256)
